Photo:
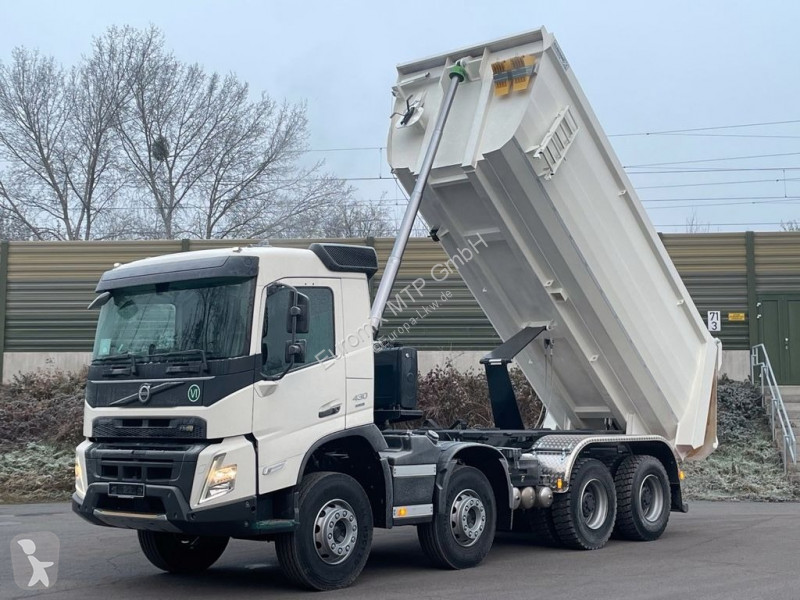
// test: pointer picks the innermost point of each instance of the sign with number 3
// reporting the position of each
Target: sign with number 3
(714, 320)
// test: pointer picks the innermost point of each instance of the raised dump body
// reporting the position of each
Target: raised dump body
(525, 175)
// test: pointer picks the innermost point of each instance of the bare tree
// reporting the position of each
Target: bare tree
(215, 162)
(97, 96)
(56, 139)
(11, 228)
(134, 143)
(352, 219)
(791, 225)
(693, 225)
(33, 113)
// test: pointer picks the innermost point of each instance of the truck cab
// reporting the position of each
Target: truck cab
(197, 347)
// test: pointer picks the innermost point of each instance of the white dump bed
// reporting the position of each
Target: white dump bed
(526, 180)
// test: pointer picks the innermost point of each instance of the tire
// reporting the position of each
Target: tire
(462, 536)
(583, 516)
(336, 503)
(543, 528)
(181, 553)
(643, 498)
(522, 522)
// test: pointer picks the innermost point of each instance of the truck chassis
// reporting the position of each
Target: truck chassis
(457, 485)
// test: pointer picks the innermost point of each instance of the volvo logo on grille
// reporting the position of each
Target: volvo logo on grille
(144, 393)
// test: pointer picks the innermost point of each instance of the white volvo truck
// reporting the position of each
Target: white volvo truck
(238, 393)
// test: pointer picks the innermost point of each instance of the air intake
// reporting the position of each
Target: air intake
(344, 257)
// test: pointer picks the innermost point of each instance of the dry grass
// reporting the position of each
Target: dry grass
(43, 406)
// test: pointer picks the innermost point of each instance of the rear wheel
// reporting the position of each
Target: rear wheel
(179, 553)
(330, 547)
(583, 516)
(542, 527)
(643, 497)
(462, 536)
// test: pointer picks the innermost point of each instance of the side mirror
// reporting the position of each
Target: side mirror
(297, 313)
(295, 352)
(99, 300)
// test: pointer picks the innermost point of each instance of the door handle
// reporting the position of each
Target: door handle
(786, 343)
(328, 412)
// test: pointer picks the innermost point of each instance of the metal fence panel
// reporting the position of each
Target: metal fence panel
(713, 268)
(49, 285)
(778, 262)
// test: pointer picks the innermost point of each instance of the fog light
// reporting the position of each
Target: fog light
(221, 479)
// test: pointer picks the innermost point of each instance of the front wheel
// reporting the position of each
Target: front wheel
(180, 553)
(331, 545)
(462, 536)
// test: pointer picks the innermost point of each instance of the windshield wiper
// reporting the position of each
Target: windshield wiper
(179, 368)
(127, 370)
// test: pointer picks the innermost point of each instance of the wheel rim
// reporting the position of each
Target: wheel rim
(594, 504)
(651, 500)
(335, 532)
(467, 518)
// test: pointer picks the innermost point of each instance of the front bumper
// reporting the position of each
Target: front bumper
(164, 508)
(169, 478)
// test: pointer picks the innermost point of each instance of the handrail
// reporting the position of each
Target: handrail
(760, 365)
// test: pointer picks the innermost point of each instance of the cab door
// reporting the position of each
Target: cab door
(291, 413)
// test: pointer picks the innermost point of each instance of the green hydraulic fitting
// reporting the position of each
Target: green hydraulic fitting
(458, 71)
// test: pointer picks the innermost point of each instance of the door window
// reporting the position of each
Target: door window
(319, 339)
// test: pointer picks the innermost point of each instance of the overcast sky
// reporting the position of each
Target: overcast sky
(645, 67)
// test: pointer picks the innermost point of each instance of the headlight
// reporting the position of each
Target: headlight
(220, 480)
(79, 487)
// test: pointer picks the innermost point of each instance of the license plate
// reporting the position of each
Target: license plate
(126, 490)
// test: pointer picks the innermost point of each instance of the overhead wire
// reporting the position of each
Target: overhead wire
(709, 183)
(782, 200)
(705, 160)
(745, 224)
(712, 128)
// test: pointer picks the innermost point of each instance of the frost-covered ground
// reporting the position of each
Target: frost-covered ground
(40, 424)
(747, 465)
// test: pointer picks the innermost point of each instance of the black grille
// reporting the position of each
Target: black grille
(137, 470)
(344, 257)
(151, 463)
(191, 428)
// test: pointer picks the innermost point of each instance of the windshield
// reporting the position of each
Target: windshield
(212, 316)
